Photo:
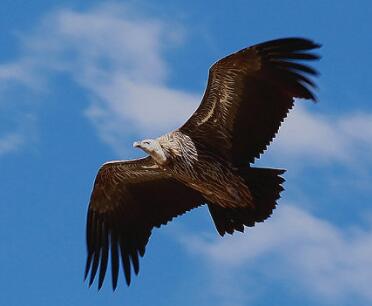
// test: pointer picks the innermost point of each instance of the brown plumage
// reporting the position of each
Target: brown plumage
(206, 161)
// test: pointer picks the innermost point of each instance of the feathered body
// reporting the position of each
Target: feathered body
(206, 161)
(200, 169)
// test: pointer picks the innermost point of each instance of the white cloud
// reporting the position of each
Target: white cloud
(298, 249)
(10, 72)
(117, 56)
(19, 73)
(319, 137)
(10, 142)
(358, 127)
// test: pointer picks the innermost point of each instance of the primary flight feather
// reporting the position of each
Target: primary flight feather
(206, 161)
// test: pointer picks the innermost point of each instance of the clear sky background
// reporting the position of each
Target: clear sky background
(81, 80)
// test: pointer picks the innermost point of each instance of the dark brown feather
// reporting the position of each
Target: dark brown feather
(266, 186)
(128, 200)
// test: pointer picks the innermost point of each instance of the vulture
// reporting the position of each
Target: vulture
(207, 161)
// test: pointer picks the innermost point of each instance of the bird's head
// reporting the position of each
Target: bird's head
(152, 147)
(147, 145)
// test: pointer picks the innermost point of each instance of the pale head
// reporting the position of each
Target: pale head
(152, 147)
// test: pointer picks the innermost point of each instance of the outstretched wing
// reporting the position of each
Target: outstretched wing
(129, 198)
(248, 95)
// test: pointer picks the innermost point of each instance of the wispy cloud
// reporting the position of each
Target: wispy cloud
(13, 72)
(328, 138)
(297, 248)
(117, 56)
(10, 142)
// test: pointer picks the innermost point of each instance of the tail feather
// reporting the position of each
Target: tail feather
(265, 186)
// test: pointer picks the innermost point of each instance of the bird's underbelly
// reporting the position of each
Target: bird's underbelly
(217, 182)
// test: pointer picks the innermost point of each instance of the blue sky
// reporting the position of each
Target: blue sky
(80, 82)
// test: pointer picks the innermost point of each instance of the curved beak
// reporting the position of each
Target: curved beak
(136, 144)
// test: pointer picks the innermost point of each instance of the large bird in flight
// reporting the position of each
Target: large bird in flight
(206, 161)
